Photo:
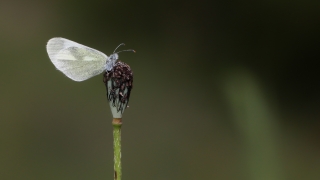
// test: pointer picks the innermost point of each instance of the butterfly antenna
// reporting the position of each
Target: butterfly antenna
(127, 50)
(122, 44)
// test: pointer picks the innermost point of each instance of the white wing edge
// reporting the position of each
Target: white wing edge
(56, 44)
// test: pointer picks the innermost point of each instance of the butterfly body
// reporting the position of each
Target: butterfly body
(112, 59)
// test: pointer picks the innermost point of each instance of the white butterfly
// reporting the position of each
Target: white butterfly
(77, 61)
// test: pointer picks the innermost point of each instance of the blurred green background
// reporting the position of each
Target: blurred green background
(223, 90)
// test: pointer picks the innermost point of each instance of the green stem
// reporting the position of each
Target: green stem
(117, 122)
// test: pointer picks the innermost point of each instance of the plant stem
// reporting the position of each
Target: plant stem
(117, 122)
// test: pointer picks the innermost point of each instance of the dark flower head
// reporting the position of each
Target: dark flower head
(118, 82)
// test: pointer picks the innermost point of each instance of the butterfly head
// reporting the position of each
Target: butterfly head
(112, 59)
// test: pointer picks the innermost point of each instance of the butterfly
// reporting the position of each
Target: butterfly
(79, 62)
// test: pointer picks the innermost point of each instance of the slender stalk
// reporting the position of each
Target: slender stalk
(117, 122)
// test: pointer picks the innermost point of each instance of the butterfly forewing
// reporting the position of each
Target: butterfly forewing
(75, 60)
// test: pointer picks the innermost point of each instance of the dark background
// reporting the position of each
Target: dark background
(222, 90)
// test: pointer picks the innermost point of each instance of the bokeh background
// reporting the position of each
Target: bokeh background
(222, 90)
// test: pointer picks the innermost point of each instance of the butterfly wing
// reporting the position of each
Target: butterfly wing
(75, 60)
